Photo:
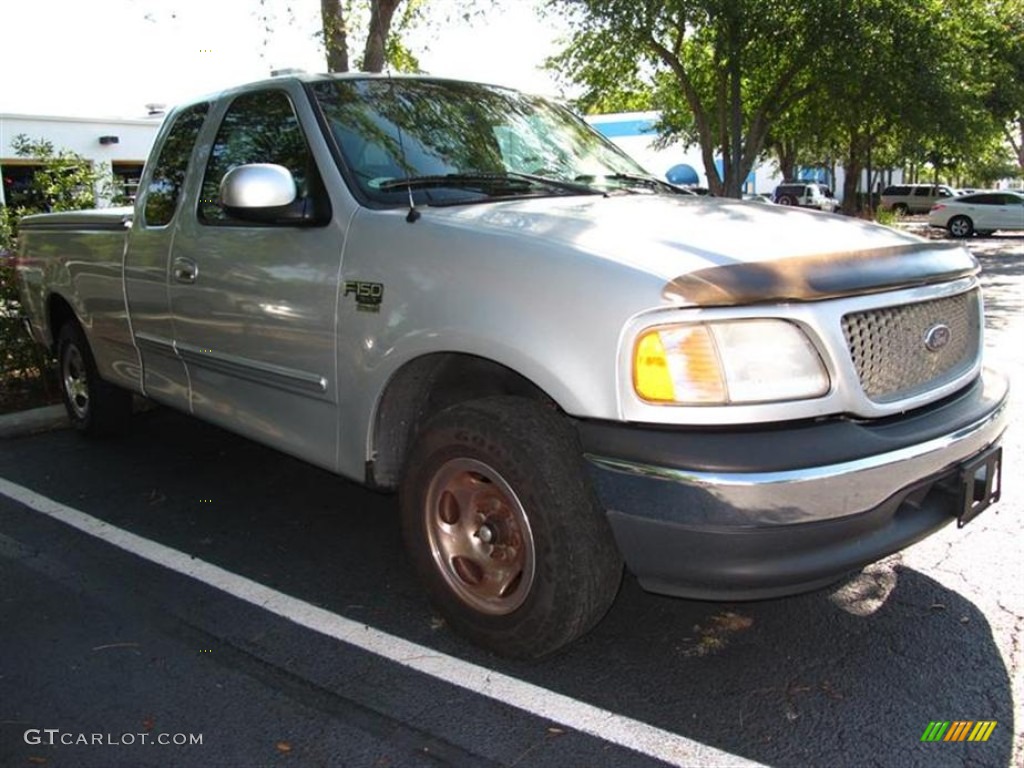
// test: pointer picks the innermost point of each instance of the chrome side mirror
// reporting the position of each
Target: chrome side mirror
(260, 185)
(262, 192)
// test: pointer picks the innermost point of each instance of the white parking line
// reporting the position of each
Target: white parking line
(578, 715)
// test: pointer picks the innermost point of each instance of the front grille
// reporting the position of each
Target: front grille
(889, 350)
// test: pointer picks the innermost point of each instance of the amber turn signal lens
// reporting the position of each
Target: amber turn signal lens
(678, 364)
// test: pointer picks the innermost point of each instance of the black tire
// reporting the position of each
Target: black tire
(900, 209)
(502, 480)
(95, 407)
(960, 226)
(787, 200)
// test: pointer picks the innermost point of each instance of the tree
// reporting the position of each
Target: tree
(907, 85)
(1005, 38)
(63, 181)
(336, 16)
(376, 27)
(375, 24)
(722, 71)
(872, 83)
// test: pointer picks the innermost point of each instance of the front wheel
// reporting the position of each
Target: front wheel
(504, 529)
(94, 406)
(960, 226)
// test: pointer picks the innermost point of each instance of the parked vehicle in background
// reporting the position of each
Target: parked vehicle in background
(761, 197)
(805, 194)
(914, 198)
(982, 213)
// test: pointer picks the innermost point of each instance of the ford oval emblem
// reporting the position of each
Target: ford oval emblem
(937, 337)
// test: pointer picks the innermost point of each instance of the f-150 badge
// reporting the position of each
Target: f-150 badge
(368, 295)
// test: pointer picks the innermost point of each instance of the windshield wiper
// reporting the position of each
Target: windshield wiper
(636, 178)
(507, 179)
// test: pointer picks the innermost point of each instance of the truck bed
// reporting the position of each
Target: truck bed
(79, 255)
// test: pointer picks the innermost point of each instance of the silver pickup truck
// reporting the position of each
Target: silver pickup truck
(561, 364)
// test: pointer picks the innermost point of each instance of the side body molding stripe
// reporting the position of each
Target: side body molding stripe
(279, 377)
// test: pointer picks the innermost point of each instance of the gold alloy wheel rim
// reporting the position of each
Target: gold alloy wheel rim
(76, 385)
(480, 537)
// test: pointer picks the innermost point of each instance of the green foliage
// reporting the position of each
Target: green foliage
(870, 84)
(378, 28)
(721, 71)
(65, 181)
(888, 217)
(400, 58)
(27, 374)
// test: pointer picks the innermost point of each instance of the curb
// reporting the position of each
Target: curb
(33, 421)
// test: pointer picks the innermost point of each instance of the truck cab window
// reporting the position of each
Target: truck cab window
(171, 166)
(259, 127)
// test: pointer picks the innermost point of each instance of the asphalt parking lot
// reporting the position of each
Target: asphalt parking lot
(183, 581)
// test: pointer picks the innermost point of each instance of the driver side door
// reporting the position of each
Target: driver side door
(254, 304)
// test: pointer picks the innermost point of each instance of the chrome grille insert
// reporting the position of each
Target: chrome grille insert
(909, 349)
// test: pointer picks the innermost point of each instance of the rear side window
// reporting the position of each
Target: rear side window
(896, 191)
(259, 127)
(171, 166)
(989, 199)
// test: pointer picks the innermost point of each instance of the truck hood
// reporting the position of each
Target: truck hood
(716, 251)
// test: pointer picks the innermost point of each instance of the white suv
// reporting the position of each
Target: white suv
(914, 198)
(805, 195)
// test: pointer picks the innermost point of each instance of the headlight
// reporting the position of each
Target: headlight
(741, 361)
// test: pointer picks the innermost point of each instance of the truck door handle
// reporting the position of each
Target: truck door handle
(185, 270)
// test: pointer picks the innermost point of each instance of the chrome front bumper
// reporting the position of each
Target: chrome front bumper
(763, 529)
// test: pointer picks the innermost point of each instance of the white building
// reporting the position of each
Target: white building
(120, 144)
(634, 133)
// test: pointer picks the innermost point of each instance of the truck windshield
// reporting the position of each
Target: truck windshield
(465, 142)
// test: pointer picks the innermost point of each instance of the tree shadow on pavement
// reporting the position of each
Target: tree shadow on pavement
(850, 675)
(847, 676)
(1002, 279)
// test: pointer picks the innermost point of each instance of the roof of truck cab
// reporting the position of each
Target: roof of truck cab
(320, 77)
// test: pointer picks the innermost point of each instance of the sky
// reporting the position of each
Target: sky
(110, 58)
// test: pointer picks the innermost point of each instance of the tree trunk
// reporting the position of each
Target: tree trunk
(1018, 142)
(335, 35)
(785, 154)
(737, 174)
(871, 181)
(854, 166)
(715, 183)
(381, 14)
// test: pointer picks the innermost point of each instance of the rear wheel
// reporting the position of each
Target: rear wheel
(900, 209)
(960, 226)
(94, 406)
(504, 529)
(787, 200)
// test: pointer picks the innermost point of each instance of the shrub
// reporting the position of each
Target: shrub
(27, 370)
(888, 217)
(66, 181)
